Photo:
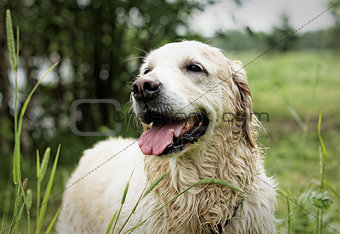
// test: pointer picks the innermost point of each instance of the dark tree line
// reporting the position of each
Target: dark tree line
(282, 38)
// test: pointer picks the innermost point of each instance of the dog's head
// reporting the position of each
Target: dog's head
(184, 91)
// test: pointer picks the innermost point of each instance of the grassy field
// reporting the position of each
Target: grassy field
(292, 88)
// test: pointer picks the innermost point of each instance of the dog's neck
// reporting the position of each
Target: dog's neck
(223, 157)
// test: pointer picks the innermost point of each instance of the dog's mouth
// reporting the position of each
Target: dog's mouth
(166, 135)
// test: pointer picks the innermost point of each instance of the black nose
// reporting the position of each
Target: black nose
(145, 88)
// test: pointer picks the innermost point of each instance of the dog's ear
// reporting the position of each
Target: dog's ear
(244, 101)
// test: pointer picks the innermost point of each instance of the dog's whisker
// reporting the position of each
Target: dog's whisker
(136, 58)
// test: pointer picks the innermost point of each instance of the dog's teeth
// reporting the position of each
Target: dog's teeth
(186, 127)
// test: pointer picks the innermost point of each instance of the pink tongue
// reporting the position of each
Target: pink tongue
(155, 140)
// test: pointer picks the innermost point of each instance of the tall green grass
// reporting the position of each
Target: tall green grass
(318, 196)
(292, 87)
(23, 194)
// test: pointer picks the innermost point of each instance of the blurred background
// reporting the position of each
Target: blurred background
(290, 50)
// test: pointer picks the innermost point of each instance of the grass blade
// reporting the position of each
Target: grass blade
(28, 207)
(18, 46)
(13, 59)
(323, 148)
(336, 195)
(125, 193)
(295, 115)
(49, 228)
(20, 213)
(38, 184)
(10, 40)
(286, 195)
(132, 212)
(44, 164)
(123, 201)
(23, 109)
(38, 165)
(205, 181)
(29, 199)
(152, 186)
(110, 224)
(47, 193)
(220, 182)
(16, 158)
(323, 156)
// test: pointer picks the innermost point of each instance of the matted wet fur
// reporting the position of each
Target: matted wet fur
(227, 151)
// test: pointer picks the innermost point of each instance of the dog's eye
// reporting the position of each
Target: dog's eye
(146, 71)
(195, 68)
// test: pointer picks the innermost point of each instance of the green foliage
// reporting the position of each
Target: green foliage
(318, 196)
(284, 37)
(235, 40)
(43, 206)
(275, 40)
(335, 30)
(320, 200)
(335, 10)
(23, 199)
(332, 190)
(49, 228)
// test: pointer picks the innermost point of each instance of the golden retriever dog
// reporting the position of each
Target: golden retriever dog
(196, 110)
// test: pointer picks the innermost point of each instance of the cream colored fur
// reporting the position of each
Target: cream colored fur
(227, 151)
